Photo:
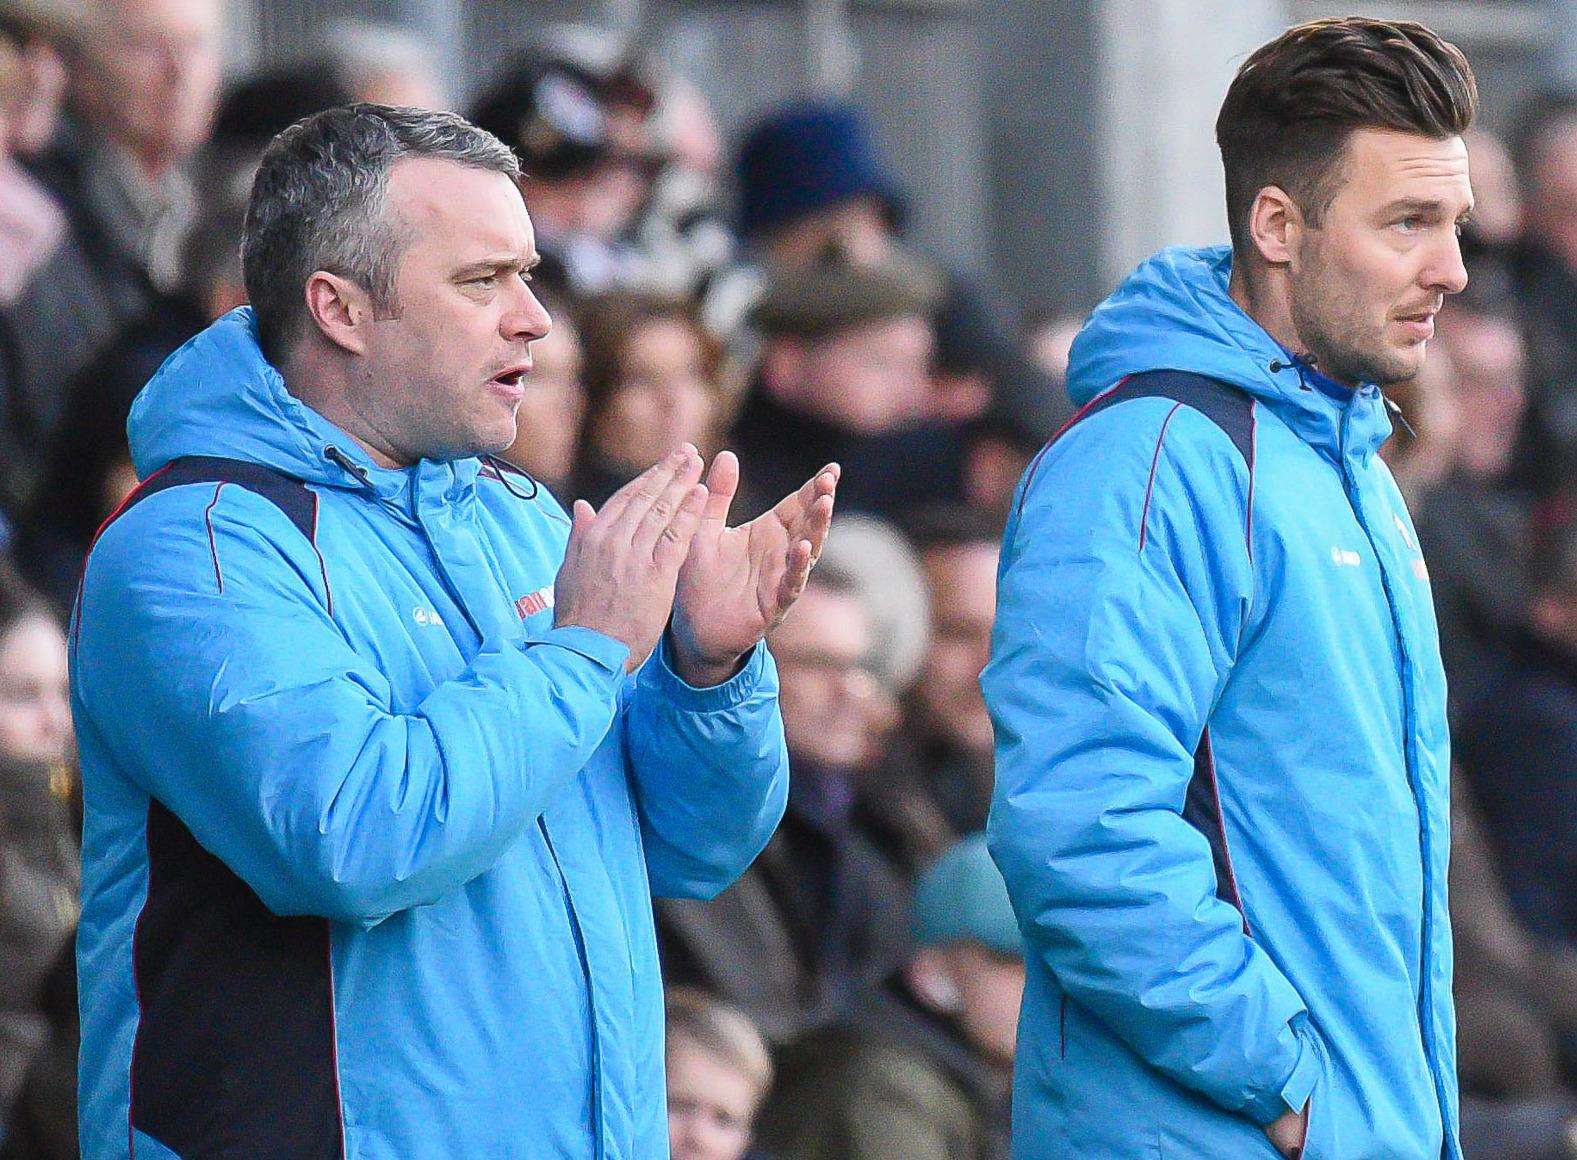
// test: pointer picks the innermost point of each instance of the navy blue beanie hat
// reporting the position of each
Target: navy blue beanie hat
(805, 157)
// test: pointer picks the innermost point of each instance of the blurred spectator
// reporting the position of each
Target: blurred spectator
(998, 448)
(89, 463)
(1516, 1004)
(718, 1072)
(843, 376)
(1424, 426)
(819, 918)
(1050, 341)
(1497, 201)
(41, 30)
(548, 423)
(385, 65)
(578, 127)
(924, 1070)
(51, 316)
(257, 106)
(39, 859)
(144, 82)
(681, 232)
(810, 181)
(1518, 747)
(1473, 523)
(948, 724)
(1546, 274)
(651, 376)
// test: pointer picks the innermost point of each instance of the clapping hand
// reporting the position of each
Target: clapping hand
(622, 563)
(736, 584)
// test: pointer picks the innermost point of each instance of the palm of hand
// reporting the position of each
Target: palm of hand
(737, 583)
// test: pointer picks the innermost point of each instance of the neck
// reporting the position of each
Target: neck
(1264, 297)
(322, 384)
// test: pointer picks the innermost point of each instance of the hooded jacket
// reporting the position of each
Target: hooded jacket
(1221, 800)
(370, 844)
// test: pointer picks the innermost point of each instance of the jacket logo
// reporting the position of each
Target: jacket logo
(425, 616)
(534, 602)
(1345, 558)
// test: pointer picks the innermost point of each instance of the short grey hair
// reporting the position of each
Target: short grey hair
(319, 202)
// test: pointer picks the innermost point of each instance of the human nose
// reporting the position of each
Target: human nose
(1447, 274)
(526, 319)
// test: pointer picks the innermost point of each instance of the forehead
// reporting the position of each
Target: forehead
(1383, 166)
(466, 212)
(825, 620)
(156, 16)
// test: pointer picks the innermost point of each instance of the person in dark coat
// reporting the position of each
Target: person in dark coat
(922, 1070)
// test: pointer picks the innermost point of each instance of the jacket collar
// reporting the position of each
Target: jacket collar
(1174, 313)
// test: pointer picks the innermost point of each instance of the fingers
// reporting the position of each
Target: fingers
(581, 516)
(722, 480)
(642, 491)
(662, 510)
(673, 543)
(796, 574)
(792, 507)
(818, 521)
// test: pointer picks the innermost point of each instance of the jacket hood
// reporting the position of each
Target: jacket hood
(217, 395)
(1174, 313)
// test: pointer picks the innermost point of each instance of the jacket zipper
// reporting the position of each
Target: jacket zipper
(591, 998)
(1409, 711)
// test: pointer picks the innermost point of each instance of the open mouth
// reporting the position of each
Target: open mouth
(513, 377)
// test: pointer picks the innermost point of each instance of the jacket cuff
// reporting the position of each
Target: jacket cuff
(1293, 1095)
(728, 695)
(589, 643)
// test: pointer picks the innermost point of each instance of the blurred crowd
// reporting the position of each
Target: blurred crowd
(855, 994)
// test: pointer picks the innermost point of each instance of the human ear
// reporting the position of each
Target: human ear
(340, 309)
(1276, 225)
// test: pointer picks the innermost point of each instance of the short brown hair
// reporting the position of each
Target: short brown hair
(721, 1031)
(1294, 103)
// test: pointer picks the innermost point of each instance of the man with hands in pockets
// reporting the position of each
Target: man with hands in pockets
(384, 756)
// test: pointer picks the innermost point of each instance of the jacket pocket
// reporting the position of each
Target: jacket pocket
(1319, 1142)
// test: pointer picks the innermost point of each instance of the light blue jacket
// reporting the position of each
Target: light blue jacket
(370, 845)
(1221, 754)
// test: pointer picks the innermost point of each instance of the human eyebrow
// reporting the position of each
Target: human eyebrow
(496, 266)
(1414, 207)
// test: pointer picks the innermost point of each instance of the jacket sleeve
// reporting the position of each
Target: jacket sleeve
(710, 771)
(1123, 590)
(217, 679)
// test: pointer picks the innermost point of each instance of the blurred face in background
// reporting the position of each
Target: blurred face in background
(979, 988)
(35, 709)
(32, 107)
(1497, 203)
(1365, 282)
(1487, 354)
(148, 76)
(1551, 207)
(826, 688)
(962, 580)
(870, 379)
(711, 1105)
(552, 408)
(666, 396)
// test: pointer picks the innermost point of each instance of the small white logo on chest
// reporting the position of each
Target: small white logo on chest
(425, 616)
(1345, 558)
